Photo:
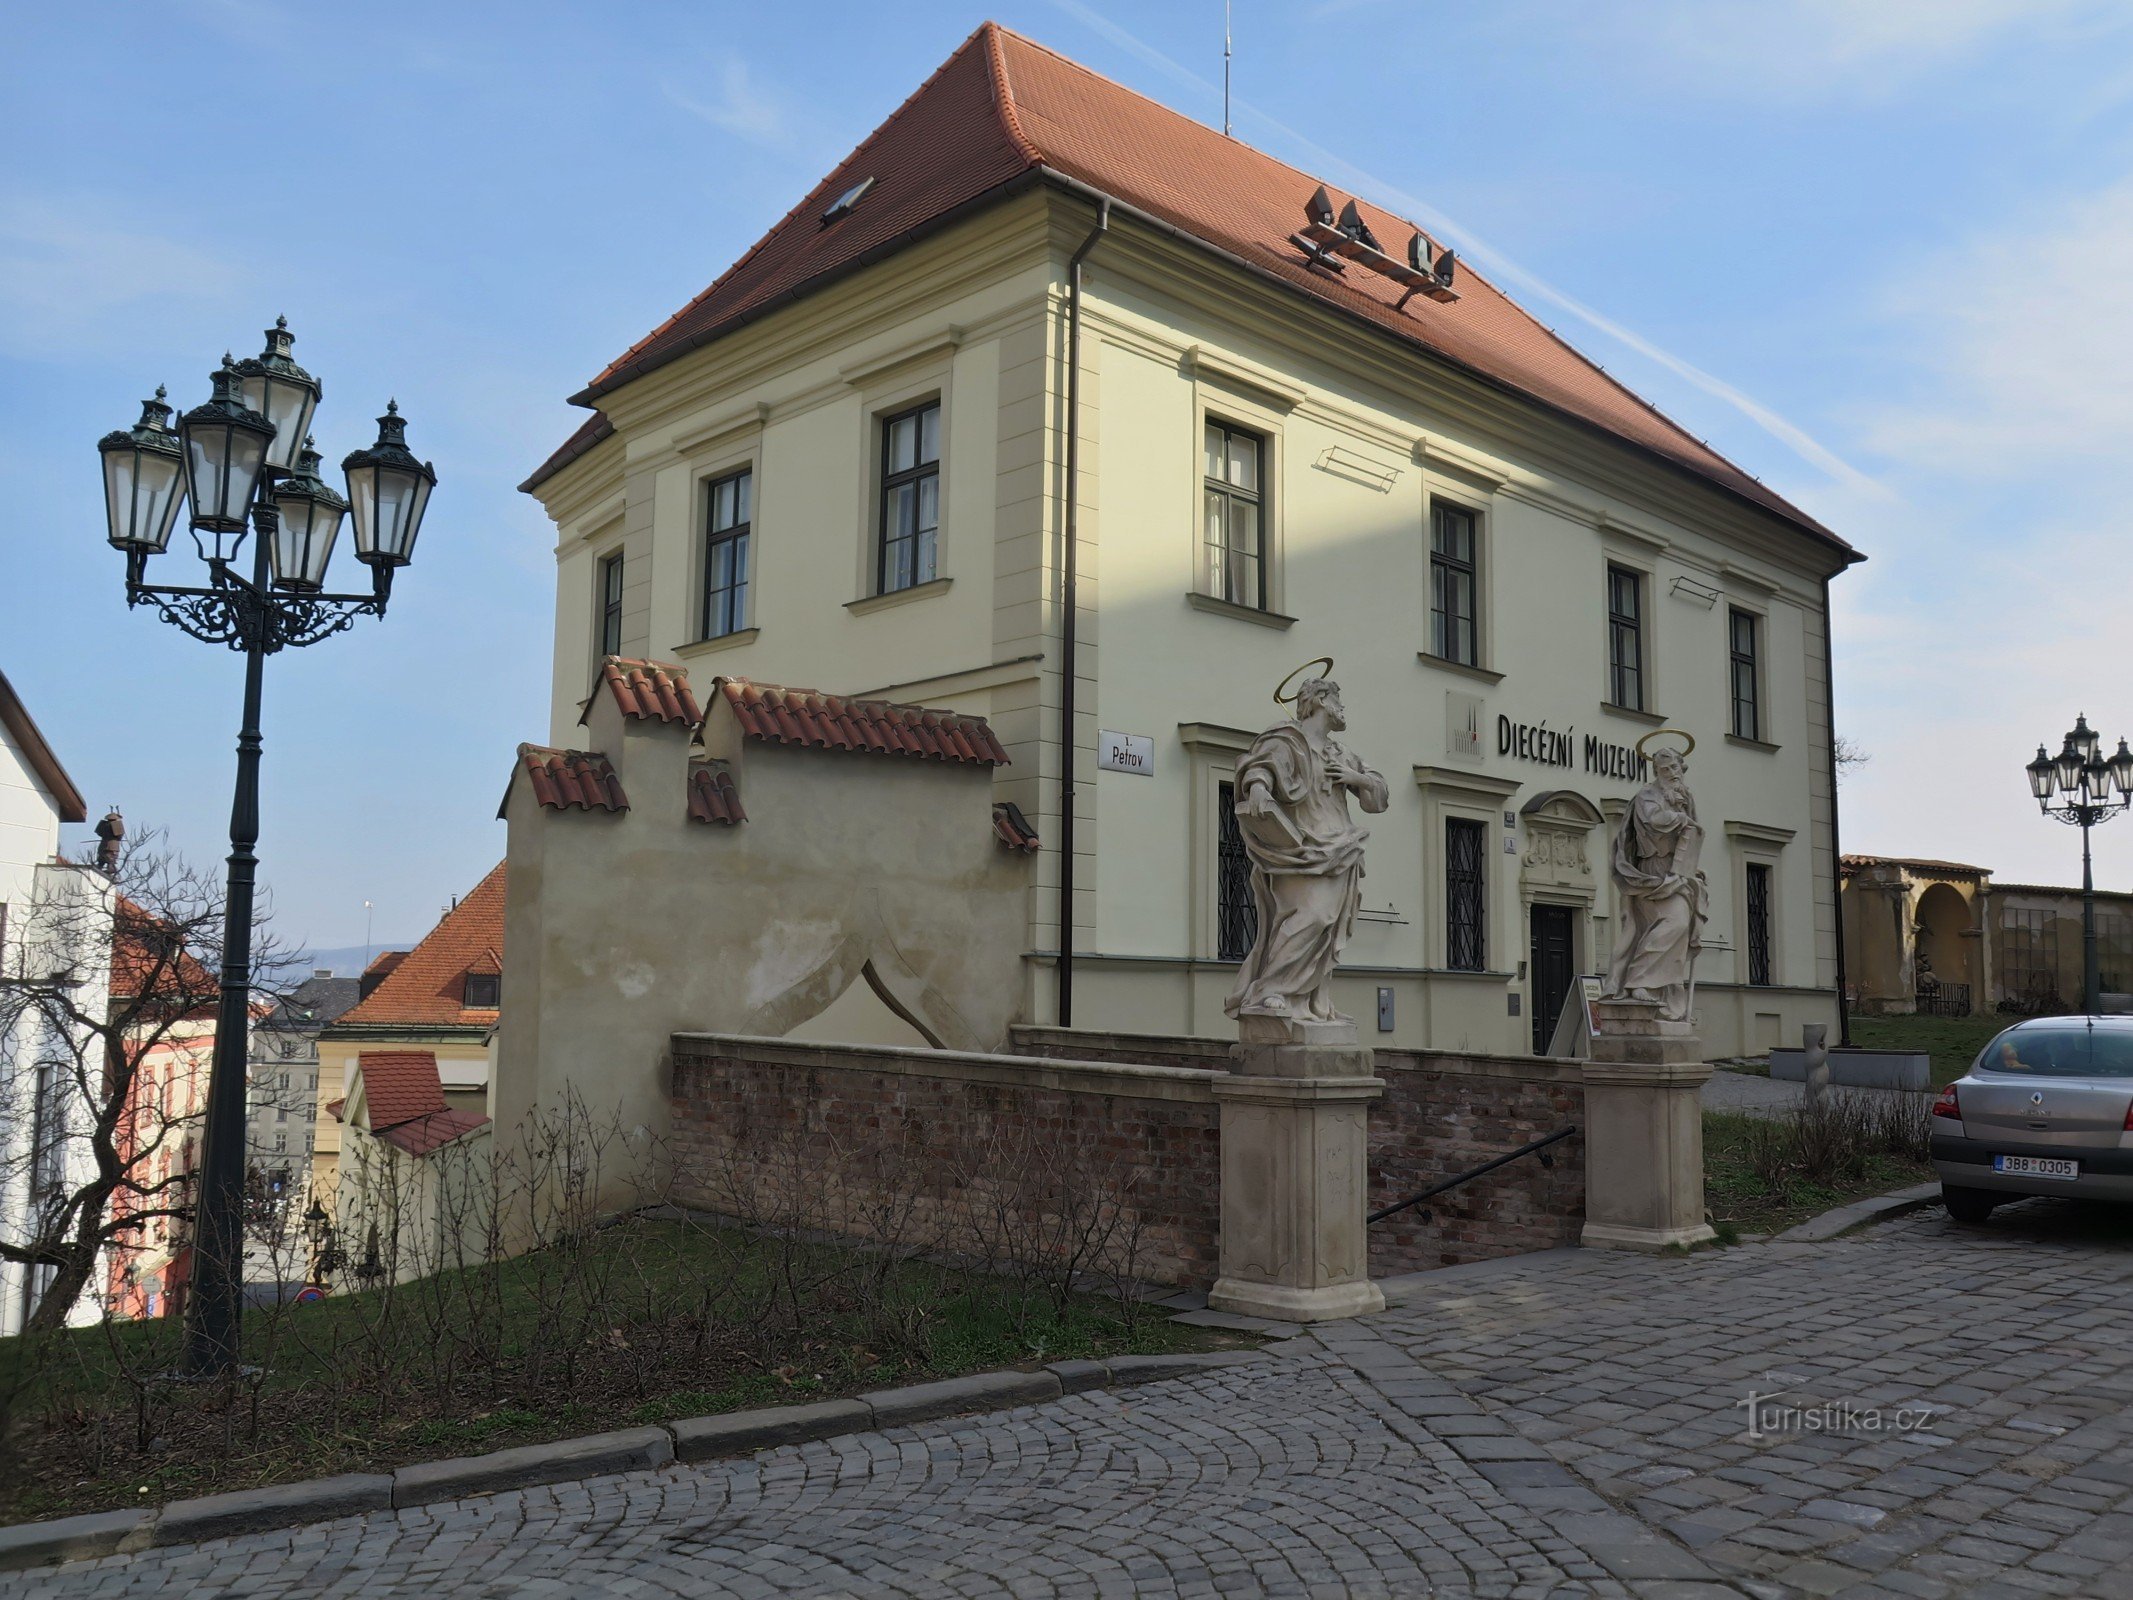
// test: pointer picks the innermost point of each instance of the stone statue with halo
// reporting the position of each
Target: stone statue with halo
(1662, 898)
(1306, 852)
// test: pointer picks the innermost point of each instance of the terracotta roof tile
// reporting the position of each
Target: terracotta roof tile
(399, 1086)
(1003, 108)
(1012, 828)
(650, 690)
(590, 432)
(427, 986)
(427, 1134)
(713, 795)
(564, 780)
(335, 1107)
(810, 718)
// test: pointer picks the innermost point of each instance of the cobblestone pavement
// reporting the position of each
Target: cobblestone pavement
(1563, 1424)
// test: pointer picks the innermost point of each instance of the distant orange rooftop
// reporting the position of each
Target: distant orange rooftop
(1004, 112)
(426, 988)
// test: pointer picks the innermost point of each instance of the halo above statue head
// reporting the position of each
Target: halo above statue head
(1282, 698)
(1683, 733)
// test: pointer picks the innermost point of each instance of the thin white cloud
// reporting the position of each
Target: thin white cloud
(2026, 334)
(72, 271)
(1816, 48)
(740, 106)
(1500, 265)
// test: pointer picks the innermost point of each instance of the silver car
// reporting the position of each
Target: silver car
(2047, 1108)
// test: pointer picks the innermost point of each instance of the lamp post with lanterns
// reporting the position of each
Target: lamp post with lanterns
(244, 462)
(2079, 787)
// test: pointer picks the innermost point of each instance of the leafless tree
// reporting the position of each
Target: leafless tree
(85, 1063)
(1850, 756)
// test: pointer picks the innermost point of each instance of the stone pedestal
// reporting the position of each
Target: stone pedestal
(1295, 1173)
(1644, 1131)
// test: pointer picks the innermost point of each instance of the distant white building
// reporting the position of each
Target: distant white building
(41, 1146)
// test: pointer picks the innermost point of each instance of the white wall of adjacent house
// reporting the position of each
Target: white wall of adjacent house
(42, 1123)
(1360, 444)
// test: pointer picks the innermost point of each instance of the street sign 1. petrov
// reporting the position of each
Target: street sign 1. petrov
(1125, 752)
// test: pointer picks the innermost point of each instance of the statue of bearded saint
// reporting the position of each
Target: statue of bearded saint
(1662, 893)
(1307, 857)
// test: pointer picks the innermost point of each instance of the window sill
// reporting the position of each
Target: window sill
(1469, 972)
(1229, 608)
(724, 641)
(896, 597)
(1481, 674)
(1650, 719)
(1752, 744)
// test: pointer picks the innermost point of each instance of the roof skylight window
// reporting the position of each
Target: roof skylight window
(847, 202)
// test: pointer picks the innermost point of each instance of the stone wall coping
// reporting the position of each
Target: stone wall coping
(1392, 1058)
(85, 1538)
(1127, 1079)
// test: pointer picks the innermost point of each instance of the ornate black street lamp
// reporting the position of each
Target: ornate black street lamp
(2079, 787)
(245, 461)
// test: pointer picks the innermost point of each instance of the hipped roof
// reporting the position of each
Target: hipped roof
(1004, 109)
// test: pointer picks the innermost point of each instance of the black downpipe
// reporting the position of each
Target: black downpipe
(1069, 599)
(1836, 849)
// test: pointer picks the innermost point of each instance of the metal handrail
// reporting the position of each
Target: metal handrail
(1466, 1177)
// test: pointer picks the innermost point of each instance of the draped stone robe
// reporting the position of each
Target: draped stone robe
(1307, 870)
(1662, 897)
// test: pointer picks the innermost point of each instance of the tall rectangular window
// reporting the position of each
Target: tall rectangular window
(726, 531)
(910, 497)
(1465, 897)
(1236, 913)
(1451, 585)
(1745, 652)
(1234, 515)
(1759, 925)
(611, 604)
(1625, 638)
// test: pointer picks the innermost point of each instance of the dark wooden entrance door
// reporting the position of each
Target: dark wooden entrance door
(1553, 964)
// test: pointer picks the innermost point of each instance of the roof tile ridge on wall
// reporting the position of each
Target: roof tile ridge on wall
(619, 367)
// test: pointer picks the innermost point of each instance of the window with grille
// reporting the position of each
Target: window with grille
(2028, 960)
(726, 530)
(910, 498)
(1744, 649)
(1452, 574)
(1233, 516)
(1625, 638)
(1465, 898)
(1759, 925)
(1236, 914)
(611, 605)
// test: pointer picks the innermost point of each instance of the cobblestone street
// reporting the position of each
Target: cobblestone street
(1571, 1423)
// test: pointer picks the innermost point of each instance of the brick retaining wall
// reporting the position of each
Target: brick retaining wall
(924, 1120)
(1442, 1114)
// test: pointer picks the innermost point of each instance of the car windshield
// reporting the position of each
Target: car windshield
(2075, 1048)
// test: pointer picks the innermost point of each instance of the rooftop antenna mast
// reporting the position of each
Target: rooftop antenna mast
(1225, 68)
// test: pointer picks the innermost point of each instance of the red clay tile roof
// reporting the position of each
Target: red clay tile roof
(488, 964)
(1003, 108)
(384, 963)
(1012, 828)
(713, 796)
(563, 779)
(821, 721)
(650, 689)
(148, 952)
(334, 1107)
(590, 432)
(399, 1086)
(433, 1132)
(427, 987)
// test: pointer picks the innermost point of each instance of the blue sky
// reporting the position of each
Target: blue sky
(1878, 253)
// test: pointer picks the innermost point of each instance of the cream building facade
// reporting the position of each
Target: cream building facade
(853, 472)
